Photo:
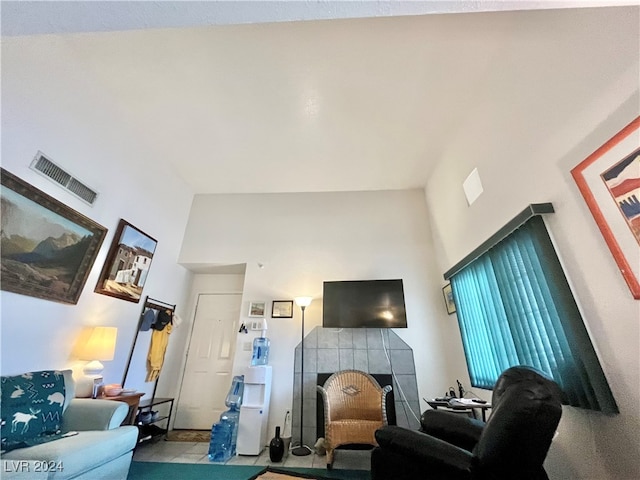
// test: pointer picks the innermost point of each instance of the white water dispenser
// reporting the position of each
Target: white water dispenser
(254, 412)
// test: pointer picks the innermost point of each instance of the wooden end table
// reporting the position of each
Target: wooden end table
(133, 400)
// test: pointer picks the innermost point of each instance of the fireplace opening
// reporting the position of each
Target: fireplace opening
(382, 379)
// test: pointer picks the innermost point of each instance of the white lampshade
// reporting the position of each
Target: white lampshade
(303, 301)
(100, 346)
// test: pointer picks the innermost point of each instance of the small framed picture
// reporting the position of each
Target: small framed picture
(257, 309)
(448, 299)
(282, 309)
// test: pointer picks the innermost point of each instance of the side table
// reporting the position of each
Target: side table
(467, 406)
(133, 400)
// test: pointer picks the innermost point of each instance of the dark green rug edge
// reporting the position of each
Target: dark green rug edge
(158, 471)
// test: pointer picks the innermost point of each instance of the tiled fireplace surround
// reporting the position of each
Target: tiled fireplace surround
(328, 350)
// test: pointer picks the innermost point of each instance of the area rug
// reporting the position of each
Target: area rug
(272, 473)
(189, 435)
(198, 471)
(191, 471)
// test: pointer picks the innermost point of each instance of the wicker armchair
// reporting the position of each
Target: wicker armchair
(354, 408)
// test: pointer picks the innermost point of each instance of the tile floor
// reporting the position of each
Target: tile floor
(196, 452)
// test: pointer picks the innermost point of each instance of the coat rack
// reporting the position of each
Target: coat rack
(149, 303)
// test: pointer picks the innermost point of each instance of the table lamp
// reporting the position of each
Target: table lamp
(99, 347)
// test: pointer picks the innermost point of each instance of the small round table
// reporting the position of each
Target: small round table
(456, 405)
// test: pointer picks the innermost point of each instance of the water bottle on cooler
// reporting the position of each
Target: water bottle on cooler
(260, 351)
(261, 347)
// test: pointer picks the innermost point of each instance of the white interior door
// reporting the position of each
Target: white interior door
(207, 376)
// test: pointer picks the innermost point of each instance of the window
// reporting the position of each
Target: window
(515, 307)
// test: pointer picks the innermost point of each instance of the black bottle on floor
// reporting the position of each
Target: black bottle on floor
(276, 447)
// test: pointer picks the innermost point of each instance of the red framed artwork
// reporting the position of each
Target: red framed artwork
(609, 180)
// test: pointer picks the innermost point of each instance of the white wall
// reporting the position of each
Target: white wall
(51, 105)
(304, 239)
(589, 445)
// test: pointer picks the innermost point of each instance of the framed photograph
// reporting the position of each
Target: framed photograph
(609, 180)
(282, 309)
(448, 299)
(257, 309)
(47, 248)
(128, 262)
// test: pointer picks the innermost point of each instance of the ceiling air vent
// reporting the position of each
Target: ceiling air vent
(53, 172)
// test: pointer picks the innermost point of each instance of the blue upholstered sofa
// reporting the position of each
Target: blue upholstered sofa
(101, 448)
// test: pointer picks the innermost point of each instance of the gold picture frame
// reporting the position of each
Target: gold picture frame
(48, 249)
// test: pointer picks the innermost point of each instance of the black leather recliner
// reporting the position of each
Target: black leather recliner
(512, 444)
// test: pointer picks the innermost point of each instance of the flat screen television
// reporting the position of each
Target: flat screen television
(364, 303)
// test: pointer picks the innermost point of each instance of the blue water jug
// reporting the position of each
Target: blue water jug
(234, 397)
(260, 351)
(220, 443)
(234, 401)
(233, 416)
(224, 433)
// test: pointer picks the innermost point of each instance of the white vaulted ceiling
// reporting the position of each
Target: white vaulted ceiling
(26, 17)
(323, 105)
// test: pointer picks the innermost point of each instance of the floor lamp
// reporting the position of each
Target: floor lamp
(302, 449)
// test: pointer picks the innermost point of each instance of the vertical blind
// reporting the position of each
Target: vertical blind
(515, 307)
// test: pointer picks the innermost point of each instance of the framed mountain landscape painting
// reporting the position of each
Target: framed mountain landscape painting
(47, 249)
